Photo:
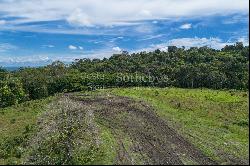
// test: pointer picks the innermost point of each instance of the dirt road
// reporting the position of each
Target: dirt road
(152, 138)
(142, 137)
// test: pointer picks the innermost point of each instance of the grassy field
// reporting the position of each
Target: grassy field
(17, 124)
(215, 121)
(26, 134)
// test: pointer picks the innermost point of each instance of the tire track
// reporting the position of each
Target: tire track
(156, 139)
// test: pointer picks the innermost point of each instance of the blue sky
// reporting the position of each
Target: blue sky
(37, 32)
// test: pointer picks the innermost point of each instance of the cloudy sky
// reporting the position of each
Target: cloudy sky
(36, 32)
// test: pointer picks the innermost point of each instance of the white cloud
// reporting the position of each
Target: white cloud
(6, 47)
(24, 59)
(44, 59)
(244, 40)
(71, 47)
(150, 37)
(215, 43)
(51, 46)
(2, 22)
(117, 49)
(237, 19)
(114, 12)
(144, 28)
(186, 26)
(79, 18)
(145, 13)
(48, 46)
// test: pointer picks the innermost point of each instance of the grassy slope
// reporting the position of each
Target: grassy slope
(215, 121)
(17, 123)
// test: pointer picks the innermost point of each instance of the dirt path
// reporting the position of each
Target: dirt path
(69, 132)
(153, 141)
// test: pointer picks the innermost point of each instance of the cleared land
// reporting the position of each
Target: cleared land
(153, 126)
(215, 121)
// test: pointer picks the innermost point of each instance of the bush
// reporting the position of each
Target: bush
(11, 92)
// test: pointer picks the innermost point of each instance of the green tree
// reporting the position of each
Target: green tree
(11, 92)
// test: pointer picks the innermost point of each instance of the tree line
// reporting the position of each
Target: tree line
(195, 67)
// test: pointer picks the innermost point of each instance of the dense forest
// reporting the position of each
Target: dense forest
(195, 67)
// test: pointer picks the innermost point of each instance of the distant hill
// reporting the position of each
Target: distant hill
(14, 68)
(11, 68)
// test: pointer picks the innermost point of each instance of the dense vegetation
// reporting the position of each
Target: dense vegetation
(179, 67)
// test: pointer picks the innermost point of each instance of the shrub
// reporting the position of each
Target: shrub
(11, 92)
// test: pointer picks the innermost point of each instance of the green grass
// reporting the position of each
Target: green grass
(215, 121)
(109, 146)
(111, 142)
(17, 123)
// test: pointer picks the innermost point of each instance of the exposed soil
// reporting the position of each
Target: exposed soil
(153, 141)
(68, 133)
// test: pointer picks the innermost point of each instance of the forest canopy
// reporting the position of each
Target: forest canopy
(194, 67)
